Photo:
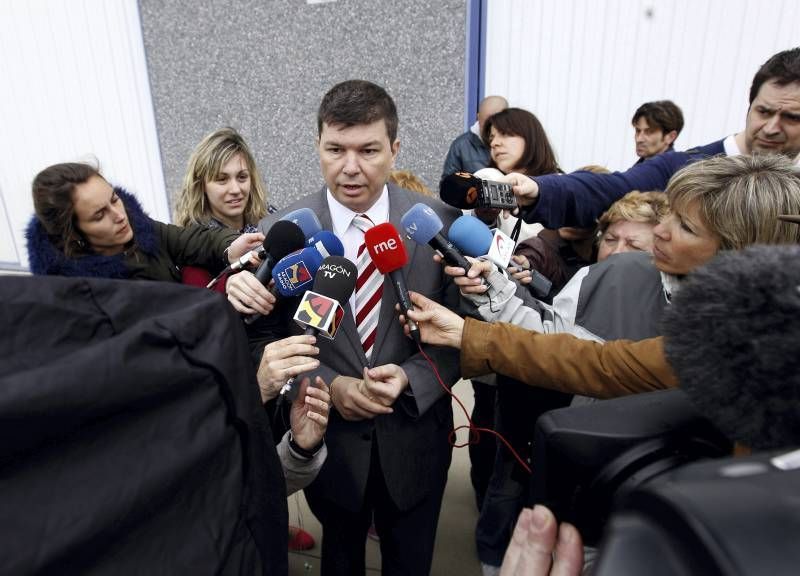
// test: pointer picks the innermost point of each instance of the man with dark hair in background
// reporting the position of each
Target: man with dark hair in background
(468, 152)
(656, 126)
(387, 439)
(772, 126)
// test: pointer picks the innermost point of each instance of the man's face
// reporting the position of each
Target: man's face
(773, 120)
(651, 140)
(356, 162)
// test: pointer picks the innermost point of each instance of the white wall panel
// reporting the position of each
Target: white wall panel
(583, 67)
(75, 87)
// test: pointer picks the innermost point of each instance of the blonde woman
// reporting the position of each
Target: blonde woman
(628, 225)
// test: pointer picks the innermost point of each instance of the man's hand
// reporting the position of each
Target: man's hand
(243, 244)
(248, 295)
(308, 416)
(534, 550)
(351, 402)
(384, 384)
(437, 325)
(525, 188)
(284, 359)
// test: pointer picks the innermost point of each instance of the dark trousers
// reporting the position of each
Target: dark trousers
(406, 536)
(481, 455)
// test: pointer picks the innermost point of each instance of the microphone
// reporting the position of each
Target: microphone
(327, 243)
(475, 239)
(295, 272)
(466, 191)
(305, 219)
(322, 308)
(731, 336)
(422, 225)
(389, 254)
(245, 260)
(282, 239)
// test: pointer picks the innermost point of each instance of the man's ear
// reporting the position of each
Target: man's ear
(671, 136)
(395, 150)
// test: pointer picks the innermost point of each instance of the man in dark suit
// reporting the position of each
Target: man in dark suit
(388, 449)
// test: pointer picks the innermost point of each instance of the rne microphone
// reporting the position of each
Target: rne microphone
(474, 238)
(466, 191)
(306, 219)
(388, 253)
(422, 225)
(282, 239)
(322, 308)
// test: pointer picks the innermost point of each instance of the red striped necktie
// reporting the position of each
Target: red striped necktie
(369, 289)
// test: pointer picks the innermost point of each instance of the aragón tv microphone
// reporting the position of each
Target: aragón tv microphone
(465, 191)
(321, 310)
(305, 219)
(422, 225)
(389, 255)
(282, 239)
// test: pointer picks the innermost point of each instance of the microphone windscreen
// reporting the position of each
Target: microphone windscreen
(460, 189)
(471, 236)
(731, 335)
(305, 219)
(282, 239)
(386, 248)
(294, 273)
(421, 223)
(336, 278)
(327, 243)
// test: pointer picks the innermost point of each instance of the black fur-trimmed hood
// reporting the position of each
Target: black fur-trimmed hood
(45, 258)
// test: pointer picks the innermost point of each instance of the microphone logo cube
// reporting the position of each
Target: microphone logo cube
(320, 312)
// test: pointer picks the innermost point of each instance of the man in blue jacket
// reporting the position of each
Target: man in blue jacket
(468, 153)
(772, 127)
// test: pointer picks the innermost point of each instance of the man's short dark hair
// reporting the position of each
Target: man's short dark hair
(783, 68)
(661, 114)
(356, 102)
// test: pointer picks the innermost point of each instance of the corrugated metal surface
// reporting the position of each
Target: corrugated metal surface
(583, 67)
(74, 87)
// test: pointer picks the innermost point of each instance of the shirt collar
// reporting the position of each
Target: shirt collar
(342, 216)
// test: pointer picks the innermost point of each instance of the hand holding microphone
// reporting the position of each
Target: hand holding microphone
(422, 225)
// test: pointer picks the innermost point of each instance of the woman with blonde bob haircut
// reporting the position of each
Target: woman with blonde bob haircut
(222, 185)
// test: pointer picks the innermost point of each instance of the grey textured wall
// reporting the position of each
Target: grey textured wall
(262, 67)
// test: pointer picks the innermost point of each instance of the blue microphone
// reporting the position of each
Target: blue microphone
(422, 225)
(305, 219)
(471, 236)
(294, 274)
(327, 243)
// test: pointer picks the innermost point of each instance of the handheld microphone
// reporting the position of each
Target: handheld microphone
(322, 308)
(466, 191)
(294, 273)
(327, 243)
(243, 261)
(281, 240)
(389, 254)
(422, 225)
(305, 219)
(474, 238)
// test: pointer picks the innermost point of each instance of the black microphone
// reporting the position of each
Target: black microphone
(281, 240)
(321, 310)
(424, 226)
(731, 335)
(465, 191)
